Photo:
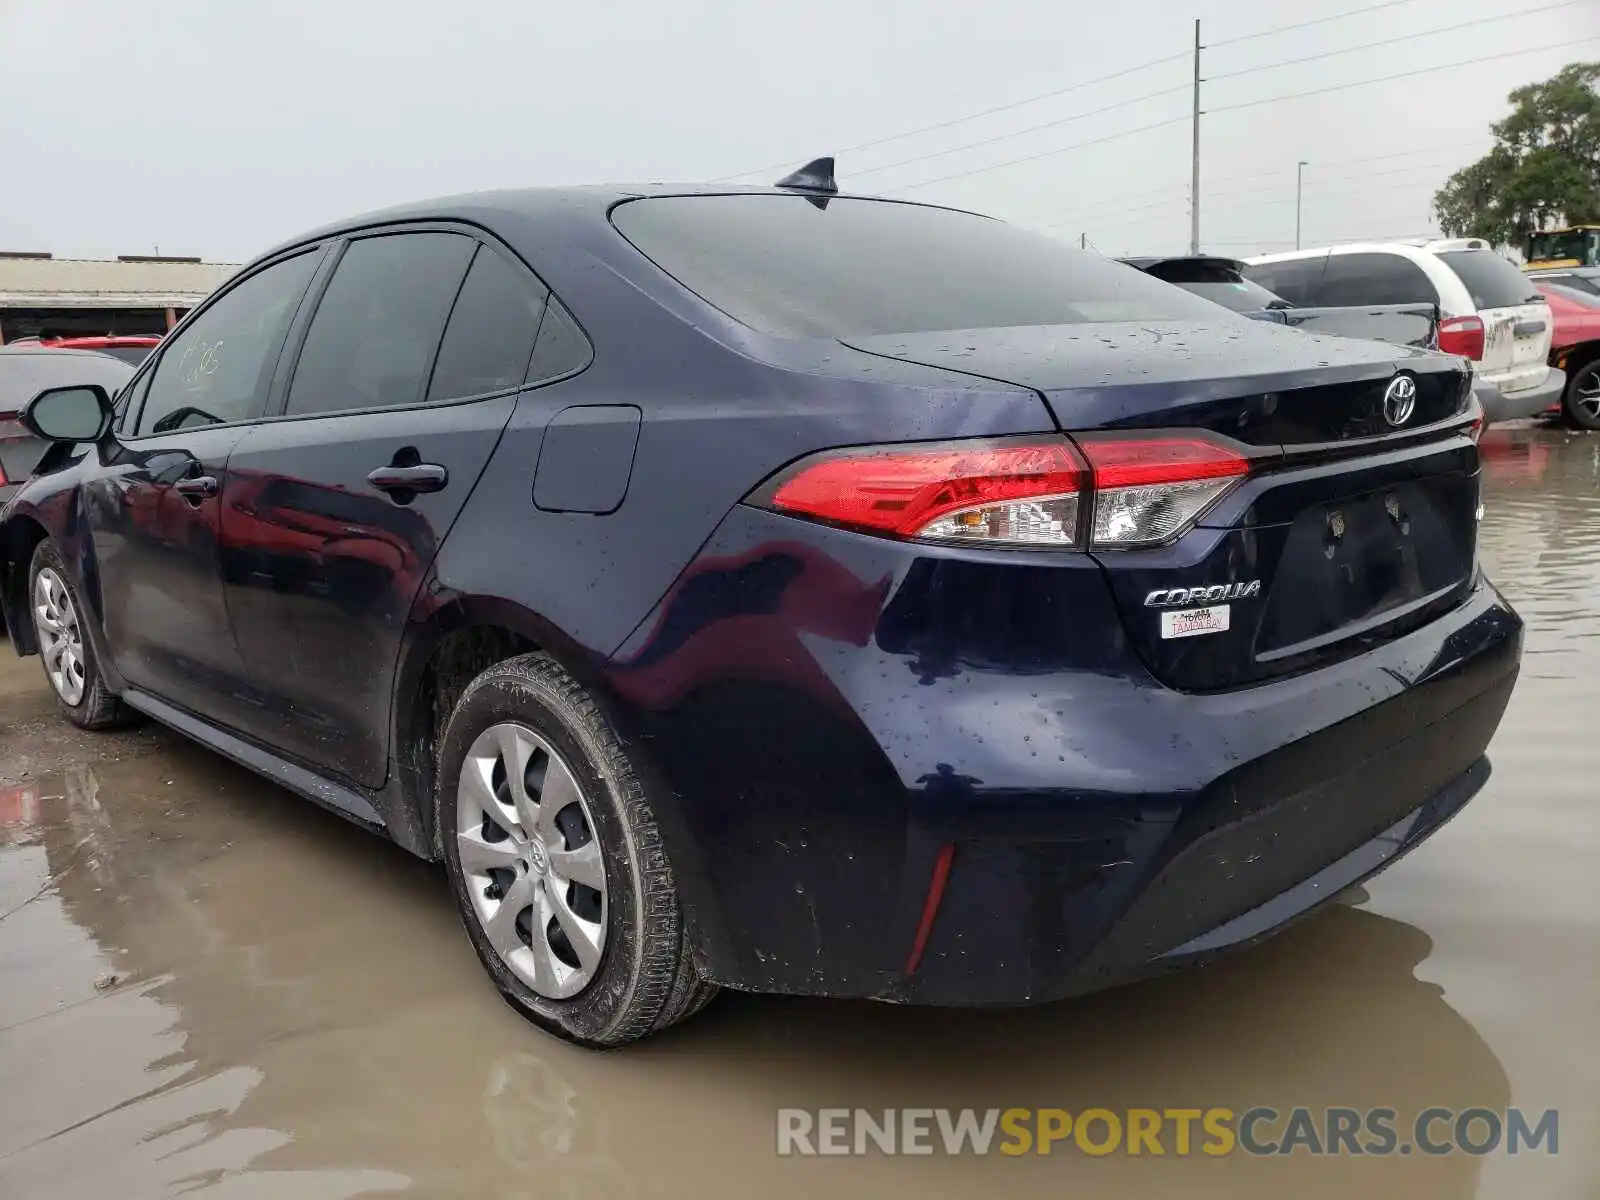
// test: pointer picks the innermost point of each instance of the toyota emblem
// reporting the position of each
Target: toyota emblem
(1399, 400)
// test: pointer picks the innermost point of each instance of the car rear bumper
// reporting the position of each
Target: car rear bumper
(893, 783)
(1525, 402)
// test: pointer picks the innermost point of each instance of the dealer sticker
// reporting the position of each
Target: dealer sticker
(1192, 622)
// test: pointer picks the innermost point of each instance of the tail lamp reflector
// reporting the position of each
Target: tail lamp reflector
(1135, 491)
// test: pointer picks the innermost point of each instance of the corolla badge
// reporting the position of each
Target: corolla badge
(1399, 400)
(1177, 597)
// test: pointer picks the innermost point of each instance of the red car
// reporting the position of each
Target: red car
(1575, 348)
(132, 349)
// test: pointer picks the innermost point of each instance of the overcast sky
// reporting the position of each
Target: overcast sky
(217, 128)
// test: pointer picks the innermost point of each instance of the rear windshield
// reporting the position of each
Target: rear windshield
(1220, 283)
(785, 266)
(1491, 280)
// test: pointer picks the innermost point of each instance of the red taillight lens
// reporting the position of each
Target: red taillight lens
(988, 492)
(1147, 490)
(1141, 490)
(1463, 336)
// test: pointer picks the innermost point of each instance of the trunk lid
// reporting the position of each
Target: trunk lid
(1349, 530)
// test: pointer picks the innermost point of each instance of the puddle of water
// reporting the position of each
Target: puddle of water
(297, 1014)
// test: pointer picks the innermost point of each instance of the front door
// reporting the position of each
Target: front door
(333, 512)
(153, 511)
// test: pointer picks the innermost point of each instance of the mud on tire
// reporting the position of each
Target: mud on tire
(645, 980)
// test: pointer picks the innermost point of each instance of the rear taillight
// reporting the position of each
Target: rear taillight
(1021, 494)
(1463, 336)
(1119, 492)
(1149, 489)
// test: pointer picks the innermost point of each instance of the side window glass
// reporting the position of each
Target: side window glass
(1375, 279)
(1294, 279)
(489, 339)
(217, 369)
(129, 401)
(377, 326)
(562, 348)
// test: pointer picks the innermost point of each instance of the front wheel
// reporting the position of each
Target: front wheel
(556, 863)
(1581, 401)
(68, 654)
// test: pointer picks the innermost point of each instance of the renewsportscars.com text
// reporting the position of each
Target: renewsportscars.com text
(1175, 1131)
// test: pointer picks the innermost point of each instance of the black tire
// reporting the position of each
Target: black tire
(98, 707)
(1587, 378)
(645, 980)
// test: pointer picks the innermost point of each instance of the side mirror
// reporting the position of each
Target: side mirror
(81, 413)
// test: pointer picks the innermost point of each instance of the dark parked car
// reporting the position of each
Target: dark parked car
(26, 370)
(1223, 281)
(785, 591)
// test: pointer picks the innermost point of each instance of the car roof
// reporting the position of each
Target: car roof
(1407, 248)
(582, 202)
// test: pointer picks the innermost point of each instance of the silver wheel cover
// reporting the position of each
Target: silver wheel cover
(531, 861)
(55, 619)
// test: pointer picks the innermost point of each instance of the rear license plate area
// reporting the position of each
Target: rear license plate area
(1347, 563)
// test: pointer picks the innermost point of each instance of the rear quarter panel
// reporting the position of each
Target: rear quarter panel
(721, 408)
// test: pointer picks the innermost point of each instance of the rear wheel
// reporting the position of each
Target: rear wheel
(65, 650)
(1582, 398)
(556, 863)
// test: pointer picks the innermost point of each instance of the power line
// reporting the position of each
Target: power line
(1119, 223)
(987, 112)
(1174, 196)
(1000, 137)
(1354, 12)
(1464, 62)
(1177, 197)
(1111, 137)
(1290, 62)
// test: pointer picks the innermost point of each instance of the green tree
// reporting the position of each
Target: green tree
(1543, 169)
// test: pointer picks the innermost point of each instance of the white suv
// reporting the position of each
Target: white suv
(1489, 311)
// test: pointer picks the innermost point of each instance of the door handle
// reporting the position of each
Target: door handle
(424, 477)
(196, 488)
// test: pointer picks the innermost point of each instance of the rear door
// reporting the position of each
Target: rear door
(1517, 326)
(405, 379)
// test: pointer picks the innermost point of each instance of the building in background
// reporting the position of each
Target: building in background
(44, 296)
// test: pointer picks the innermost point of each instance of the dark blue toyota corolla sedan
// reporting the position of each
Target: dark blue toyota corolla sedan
(784, 591)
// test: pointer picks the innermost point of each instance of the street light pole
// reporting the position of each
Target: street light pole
(1299, 189)
(1194, 158)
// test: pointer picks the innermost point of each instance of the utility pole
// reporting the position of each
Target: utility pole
(1299, 189)
(1194, 167)
(1083, 241)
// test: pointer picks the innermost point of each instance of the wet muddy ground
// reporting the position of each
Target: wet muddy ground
(208, 986)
